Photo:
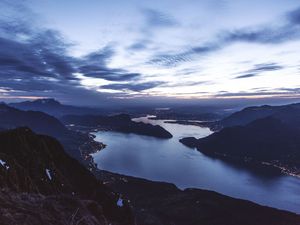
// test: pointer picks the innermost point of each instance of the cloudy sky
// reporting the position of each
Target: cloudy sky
(86, 51)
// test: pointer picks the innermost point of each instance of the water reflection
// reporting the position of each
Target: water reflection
(170, 161)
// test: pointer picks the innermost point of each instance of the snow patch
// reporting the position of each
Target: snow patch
(120, 202)
(48, 174)
(4, 164)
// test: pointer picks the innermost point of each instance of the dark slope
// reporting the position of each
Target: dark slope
(263, 139)
(38, 121)
(250, 114)
(37, 166)
(43, 123)
(120, 123)
(54, 108)
(274, 138)
(158, 203)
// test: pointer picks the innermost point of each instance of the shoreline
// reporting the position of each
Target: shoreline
(273, 164)
(112, 177)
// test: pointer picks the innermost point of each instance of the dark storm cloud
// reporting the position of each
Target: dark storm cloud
(38, 53)
(269, 34)
(95, 65)
(35, 60)
(133, 87)
(258, 69)
(108, 74)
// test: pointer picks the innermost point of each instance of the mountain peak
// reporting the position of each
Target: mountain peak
(50, 101)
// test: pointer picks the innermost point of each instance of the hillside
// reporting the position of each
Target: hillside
(41, 184)
(274, 139)
(43, 123)
(120, 123)
(250, 114)
(159, 203)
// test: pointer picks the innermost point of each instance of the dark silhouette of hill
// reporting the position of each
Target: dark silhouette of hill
(250, 114)
(38, 121)
(120, 123)
(42, 123)
(273, 138)
(41, 184)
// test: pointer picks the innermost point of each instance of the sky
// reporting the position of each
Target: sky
(89, 52)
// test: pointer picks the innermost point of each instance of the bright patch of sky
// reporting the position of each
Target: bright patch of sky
(186, 49)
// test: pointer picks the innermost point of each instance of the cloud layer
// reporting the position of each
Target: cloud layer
(163, 52)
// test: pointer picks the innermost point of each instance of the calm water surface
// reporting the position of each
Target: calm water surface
(170, 161)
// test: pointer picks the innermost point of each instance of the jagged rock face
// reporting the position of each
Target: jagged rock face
(31, 163)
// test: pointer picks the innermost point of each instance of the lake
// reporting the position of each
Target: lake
(170, 161)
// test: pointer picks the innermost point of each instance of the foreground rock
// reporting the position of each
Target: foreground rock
(158, 203)
(41, 184)
(120, 123)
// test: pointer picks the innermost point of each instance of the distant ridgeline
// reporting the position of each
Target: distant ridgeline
(89, 117)
(42, 123)
(267, 134)
(55, 108)
(120, 123)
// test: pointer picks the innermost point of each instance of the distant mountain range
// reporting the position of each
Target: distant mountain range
(41, 184)
(55, 108)
(250, 114)
(267, 133)
(43, 123)
(82, 116)
(40, 122)
(160, 203)
(120, 123)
